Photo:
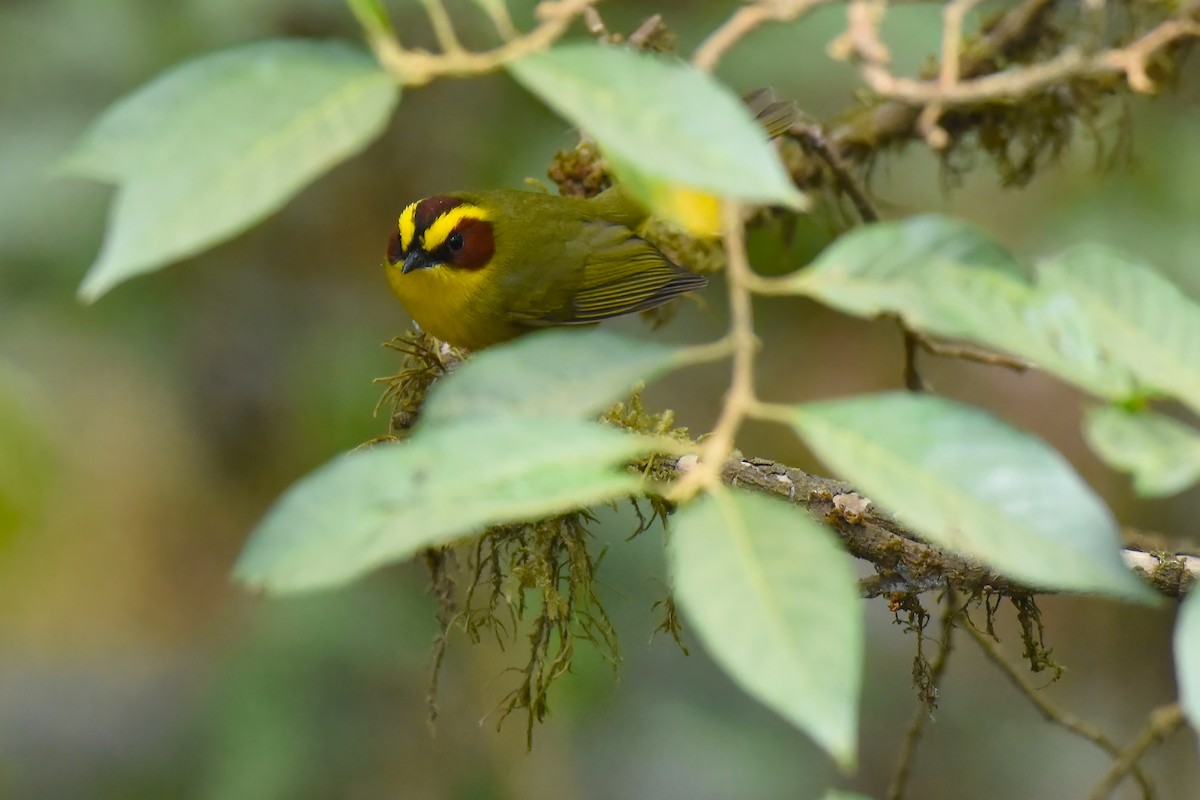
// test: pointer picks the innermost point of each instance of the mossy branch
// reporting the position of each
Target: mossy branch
(905, 564)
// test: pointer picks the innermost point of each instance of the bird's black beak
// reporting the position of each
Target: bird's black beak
(417, 259)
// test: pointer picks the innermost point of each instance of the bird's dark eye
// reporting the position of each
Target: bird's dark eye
(455, 242)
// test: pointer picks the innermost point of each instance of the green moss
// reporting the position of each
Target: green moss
(531, 583)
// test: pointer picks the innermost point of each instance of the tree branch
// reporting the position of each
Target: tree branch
(1050, 712)
(416, 67)
(905, 564)
(1132, 61)
(1163, 722)
(745, 20)
(890, 122)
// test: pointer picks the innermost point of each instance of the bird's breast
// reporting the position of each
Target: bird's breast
(448, 303)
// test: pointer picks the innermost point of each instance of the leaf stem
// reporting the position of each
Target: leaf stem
(740, 399)
(443, 28)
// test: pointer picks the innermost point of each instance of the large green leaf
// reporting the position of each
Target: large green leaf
(661, 122)
(1161, 453)
(776, 602)
(213, 146)
(968, 482)
(564, 372)
(943, 277)
(1187, 656)
(1140, 319)
(384, 504)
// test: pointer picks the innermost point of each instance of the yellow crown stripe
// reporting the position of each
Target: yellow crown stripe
(435, 235)
(408, 226)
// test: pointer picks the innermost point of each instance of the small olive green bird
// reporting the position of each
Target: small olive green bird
(477, 268)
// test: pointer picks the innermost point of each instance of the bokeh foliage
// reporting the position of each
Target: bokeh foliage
(193, 399)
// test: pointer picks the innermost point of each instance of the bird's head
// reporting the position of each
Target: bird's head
(441, 232)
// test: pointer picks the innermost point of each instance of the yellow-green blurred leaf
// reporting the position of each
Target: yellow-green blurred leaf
(26, 457)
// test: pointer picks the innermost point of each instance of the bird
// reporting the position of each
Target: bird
(477, 268)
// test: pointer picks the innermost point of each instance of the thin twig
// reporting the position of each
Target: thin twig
(595, 24)
(912, 378)
(745, 20)
(416, 67)
(952, 29)
(814, 138)
(967, 353)
(1164, 721)
(924, 712)
(1132, 61)
(861, 38)
(497, 12)
(866, 132)
(443, 28)
(1050, 712)
(904, 562)
(650, 27)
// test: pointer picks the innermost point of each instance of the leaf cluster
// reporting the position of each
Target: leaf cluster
(504, 452)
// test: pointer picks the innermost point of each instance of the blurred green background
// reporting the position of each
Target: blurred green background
(142, 437)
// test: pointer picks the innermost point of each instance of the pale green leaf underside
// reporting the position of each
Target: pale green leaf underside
(213, 146)
(1187, 657)
(1162, 454)
(945, 278)
(662, 117)
(776, 603)
(385, 504)
(1139, 318)
(563, 372)
(968, 482)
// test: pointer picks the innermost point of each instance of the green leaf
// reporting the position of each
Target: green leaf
(966, 481)
(213, 146)
(563, 372)
(1140, 319)
(1187, 656)
(1162, 454)
(659, 118)
(943, 277)
(376, 506)
(776, 603)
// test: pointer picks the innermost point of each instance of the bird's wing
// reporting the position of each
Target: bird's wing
(619, 273)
